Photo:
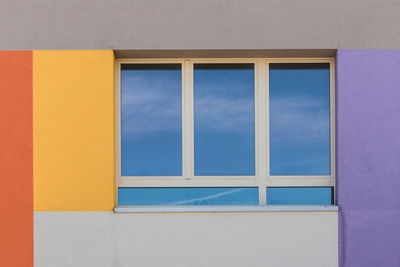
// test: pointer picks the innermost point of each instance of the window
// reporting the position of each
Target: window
(225, 132)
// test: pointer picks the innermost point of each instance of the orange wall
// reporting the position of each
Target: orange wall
(16, 174)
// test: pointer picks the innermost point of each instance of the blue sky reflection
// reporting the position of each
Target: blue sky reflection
(299, 119)
(188, 196)
(151, 120)
(299, 196)
(224, 119)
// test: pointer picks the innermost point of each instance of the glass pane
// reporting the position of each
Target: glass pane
(299, 119)
(188, 196)
(151, 119)
(224, 119)
(300, 196)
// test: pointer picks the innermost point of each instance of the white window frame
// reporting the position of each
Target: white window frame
(262, 178)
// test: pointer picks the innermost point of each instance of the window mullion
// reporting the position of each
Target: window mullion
(332, 124)
(187, 121)
(260, 129)
(267, 129)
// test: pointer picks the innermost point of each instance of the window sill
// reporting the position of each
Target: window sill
(270, 208)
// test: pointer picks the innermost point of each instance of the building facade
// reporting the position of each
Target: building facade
(83, 183)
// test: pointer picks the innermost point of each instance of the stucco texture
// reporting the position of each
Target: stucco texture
(194, 24)
(211, 239)
(16, 182)
(74, 130)
(368, 157)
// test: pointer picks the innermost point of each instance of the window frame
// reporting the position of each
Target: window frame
(262, 178)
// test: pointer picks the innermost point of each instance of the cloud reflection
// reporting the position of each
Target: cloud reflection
(299, 119)
(155, 105)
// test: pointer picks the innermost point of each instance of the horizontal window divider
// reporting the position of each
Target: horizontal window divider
(300, 60)
(150, 177)
(255, 208)
(182, 182)
(185, 178)
(300, 177)
(224, 182)
(223, 60)
(151, 60)
(223, 177)
(300, 181)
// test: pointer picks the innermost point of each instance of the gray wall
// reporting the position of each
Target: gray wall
(199, 24)
(251, 239)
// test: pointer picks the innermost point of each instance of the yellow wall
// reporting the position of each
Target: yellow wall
(73, 118)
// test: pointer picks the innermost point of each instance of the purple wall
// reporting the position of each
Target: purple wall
(368, 157)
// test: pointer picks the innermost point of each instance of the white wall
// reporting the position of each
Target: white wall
(186, 239)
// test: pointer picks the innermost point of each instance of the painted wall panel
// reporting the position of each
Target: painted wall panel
(74, 130)
(284, 239)
(368, 145)
(193, 24)
(16, 174)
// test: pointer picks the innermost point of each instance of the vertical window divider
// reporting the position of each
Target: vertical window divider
(266, 112)
(260, 129)
(332, 111)
(118, 128)
(187, 121)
